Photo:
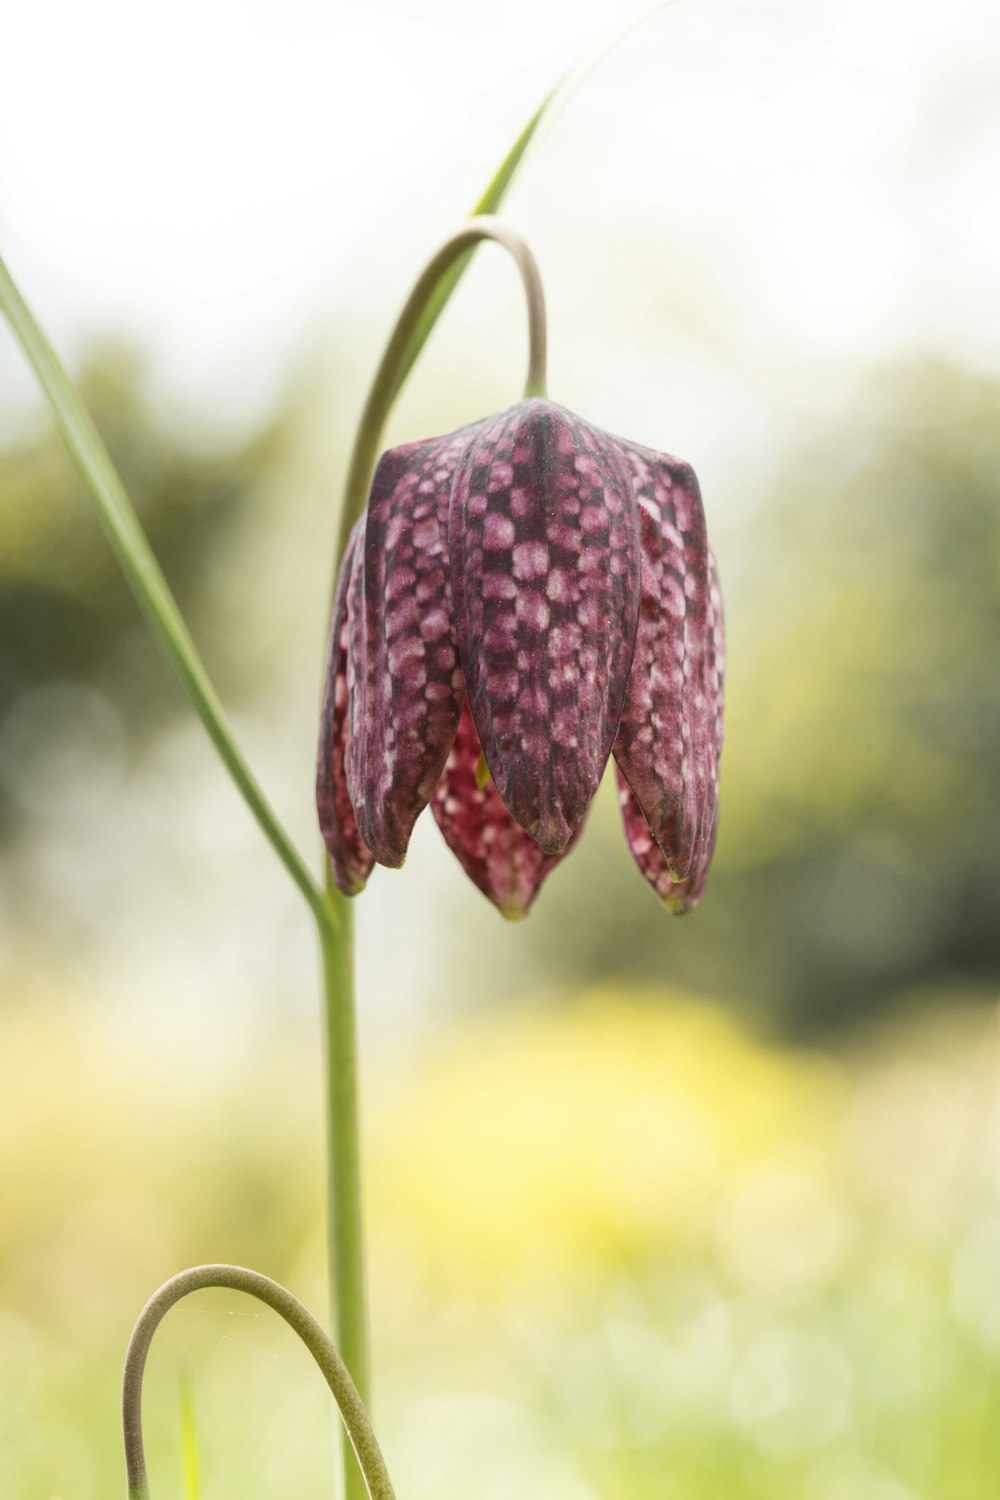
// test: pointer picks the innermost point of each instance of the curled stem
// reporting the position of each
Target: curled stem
(298, 1317)
(391, 371)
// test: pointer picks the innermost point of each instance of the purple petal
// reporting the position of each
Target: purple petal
(679, 895)
(350, 857)
(543, 540)
(408, 690)
(715, 672)
(493, 850)
(669, 739)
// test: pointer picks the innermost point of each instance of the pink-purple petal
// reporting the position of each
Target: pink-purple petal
(544, 551)
(494, 851)
(715, 671)
(410, 688)
(679, 896)
(665, 746)
(350, 857)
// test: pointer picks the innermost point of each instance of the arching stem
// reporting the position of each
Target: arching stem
(145, 577)
(395, 361)
(298, 1317)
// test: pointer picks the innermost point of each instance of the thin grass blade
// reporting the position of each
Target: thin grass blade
(144, 575)
(190, 1465)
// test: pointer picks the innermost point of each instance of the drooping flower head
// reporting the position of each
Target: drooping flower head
(520, 600)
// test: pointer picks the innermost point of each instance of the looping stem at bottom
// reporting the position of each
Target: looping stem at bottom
(298, 1317)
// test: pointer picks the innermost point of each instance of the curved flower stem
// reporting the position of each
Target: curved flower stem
(496, 188)
(359, 1429)
(421, 313)
(392, 370)
(145, 577)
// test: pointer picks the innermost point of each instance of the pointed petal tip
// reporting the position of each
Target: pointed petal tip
(681, 903)
(393, 859)
(349, 884)
(497, 854)
(679, 896)
(554, 835)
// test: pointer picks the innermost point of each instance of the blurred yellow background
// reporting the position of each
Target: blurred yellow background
(706, 1208)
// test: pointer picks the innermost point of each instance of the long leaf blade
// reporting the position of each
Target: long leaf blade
(144, 575)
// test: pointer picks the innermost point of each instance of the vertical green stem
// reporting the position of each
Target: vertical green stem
(348, 1299)
(336, 933)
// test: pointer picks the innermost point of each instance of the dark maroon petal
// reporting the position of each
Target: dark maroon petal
(409, 690)
(350, 857)
(715, 672)
(679, 895)
(668, 741)
(494, 851)
(544, 548)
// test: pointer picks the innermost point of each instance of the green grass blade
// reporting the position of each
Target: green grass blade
(145, 577)
(190, 1466)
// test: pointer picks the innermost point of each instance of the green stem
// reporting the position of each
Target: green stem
(345, 1220)
(442, 270)
(145, 577)
(425, 305)
(130, 546)
(370, 1464)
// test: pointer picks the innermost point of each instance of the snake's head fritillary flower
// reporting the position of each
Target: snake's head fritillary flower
(519, 600)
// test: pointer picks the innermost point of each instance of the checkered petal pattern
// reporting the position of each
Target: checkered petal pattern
(521, 599)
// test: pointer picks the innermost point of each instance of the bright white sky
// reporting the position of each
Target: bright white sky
(231, 180)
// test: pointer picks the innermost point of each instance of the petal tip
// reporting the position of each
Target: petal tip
(347, 884)
(554, 837)
(496, 852)
(681, 904)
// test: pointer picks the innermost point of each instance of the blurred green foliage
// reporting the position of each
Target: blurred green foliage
(626, 1250)
(66, 614)
(859, 850)
(618, 1254)
(859, 854)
